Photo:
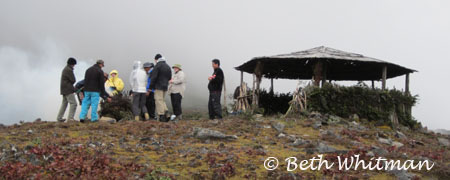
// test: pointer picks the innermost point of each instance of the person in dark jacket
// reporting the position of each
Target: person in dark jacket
(67, 91)
(215, 90)
(94, 85)
(160, 78)
(150, 102)
(79, 91)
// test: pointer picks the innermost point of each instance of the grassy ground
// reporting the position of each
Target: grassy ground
(154, 150)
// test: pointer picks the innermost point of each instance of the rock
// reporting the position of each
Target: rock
(385, 141)
(354, 117)
(278, 126)
(204, 133)
(397, 144)
(107, 120)
(332, 119)
(400, 135)
(370, 154)
(299, 142)
(38, 120)
(323, 148)
(281, 135)
(401, 174)
(379, 151)
(317, 125)
(444, 142)
(30, 131)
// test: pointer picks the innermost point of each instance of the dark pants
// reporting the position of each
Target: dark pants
(176, 103)
(214, 107)
(151, 104)
(139, 103)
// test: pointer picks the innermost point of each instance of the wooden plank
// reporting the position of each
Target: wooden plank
(271, 85)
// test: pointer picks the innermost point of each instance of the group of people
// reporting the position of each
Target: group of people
(150, 83)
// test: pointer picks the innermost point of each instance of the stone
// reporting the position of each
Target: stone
(370, 154)
(385, 141)
(107, 120)
(379, 151)
(30, 131)
(400, 135)
(332, 119)
(401, 174)
(317, 125)
(299, 142)
(397, 144)
(323, 148)
(281, 135)
(444, 142)
(204, 133)
(278, 126)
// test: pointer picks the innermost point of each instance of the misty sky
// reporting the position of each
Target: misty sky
(37, 37)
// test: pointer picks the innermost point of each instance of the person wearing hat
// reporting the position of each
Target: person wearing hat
(150, 102)
(160, 77)
(176, 90)
(138, 80)
(94, 86)
(67, 91)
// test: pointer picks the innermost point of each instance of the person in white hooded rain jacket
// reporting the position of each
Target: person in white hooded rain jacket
(138, 80)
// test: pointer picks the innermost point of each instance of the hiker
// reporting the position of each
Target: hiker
(79, 91)
(160, 77)
(215, 90)
(150, 102)
(67, 91)
(114, 84)
(94, 86)
(138, 80)
(176, 90)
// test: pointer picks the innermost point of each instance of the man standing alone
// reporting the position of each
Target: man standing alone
(67, 91)
(160, 77)
(94, 85)
(176, 90)
(215, 90)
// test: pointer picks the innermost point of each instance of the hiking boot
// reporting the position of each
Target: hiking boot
(82, 121)
(61, 120)
(136, 118)
(147, 116)
(163, 118)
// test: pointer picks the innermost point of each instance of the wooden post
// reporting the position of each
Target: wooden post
(254, 90)
(242, 78)
(373, 84)
(271, 85)
(317, 70)
(407, 84)
(324, 73)
(384, 75)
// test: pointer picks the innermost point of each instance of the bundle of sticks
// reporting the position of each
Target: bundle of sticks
(298, 102)
(242, 103)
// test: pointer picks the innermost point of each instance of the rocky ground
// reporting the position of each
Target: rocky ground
(197, 148)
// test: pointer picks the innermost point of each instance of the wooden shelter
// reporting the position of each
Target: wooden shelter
(321, 64)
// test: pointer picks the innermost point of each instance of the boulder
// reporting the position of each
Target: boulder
(278, 126)
(107, 120)
(444, 142)
(204, 133)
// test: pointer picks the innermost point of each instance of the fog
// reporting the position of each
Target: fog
(37, 37)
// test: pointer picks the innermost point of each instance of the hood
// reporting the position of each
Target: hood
(137, 65)
(114, 71)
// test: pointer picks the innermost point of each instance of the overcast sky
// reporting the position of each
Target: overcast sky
(37, 37)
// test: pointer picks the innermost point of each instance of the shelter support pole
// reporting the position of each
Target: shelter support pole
(254, 90)
(317, 69)
(242, 78)
(407, 84)
(373, 84)
(324, 73)
(271, 85)
(384, 75)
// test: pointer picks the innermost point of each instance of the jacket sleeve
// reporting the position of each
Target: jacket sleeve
(102, 81)
(154, 77)
(71, 77)
(119, 85)
(179, 78)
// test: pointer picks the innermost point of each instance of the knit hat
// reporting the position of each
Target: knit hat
(177, 66)
(71, 61)
(148, 65)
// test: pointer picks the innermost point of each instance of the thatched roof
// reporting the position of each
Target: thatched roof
(341, 65)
